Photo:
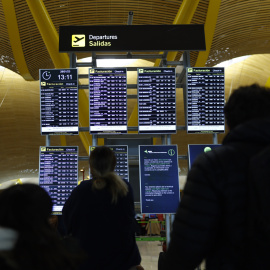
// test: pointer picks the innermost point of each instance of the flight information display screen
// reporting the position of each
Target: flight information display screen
(58, 173)
(156, 99)
(159, 179)
(121, 153)
(194, 150)
(205, 100)
(59, 101)
(108, 100)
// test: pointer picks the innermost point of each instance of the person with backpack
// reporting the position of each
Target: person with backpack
(224, 217)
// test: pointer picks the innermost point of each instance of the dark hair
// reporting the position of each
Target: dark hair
(26, 209)
(102, 162)
(247, 103)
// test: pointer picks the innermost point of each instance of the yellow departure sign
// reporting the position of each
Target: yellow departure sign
(78, 40)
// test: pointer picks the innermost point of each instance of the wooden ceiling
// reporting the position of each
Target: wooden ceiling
(242, 28)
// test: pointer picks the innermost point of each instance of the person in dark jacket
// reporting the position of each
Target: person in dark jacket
(211, 219)
(100, 213)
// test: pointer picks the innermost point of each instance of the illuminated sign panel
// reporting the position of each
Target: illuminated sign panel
(97, 38)
(59, 101)
(58, 173)
(108, 100)
(205, 100)
(156, 96)
(159, 180)
(121, 154)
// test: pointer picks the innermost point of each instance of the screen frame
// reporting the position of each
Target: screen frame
(177, 182)
(54, 212)
(77, 92)
(112, 129)
(202, 130)
(158, 131)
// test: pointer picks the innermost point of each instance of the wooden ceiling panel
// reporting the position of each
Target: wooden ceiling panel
(240, 24)
(6, 54)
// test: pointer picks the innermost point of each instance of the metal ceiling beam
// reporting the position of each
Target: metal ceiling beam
(183, 16)
(60, 60)
(209, 28)
(15, 40)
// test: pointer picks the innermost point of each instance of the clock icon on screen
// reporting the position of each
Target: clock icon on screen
(46, 75)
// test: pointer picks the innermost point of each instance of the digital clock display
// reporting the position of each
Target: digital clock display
(63, 77)
(59, 101)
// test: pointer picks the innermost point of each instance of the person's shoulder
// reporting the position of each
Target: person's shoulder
(83, 186)
(221, 151)
(128, 185)
(217, 154)
(86, 183)
(214, 162)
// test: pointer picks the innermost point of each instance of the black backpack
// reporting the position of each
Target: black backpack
(258, 242)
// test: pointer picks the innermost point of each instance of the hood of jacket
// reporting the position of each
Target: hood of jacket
(255, 132)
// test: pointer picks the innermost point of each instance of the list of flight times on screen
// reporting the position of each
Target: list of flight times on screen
(58, 172)
(157, 102)
(205, 100)
(59, 101)
(108, 100)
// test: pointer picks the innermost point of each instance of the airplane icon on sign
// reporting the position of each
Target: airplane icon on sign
(78, 40)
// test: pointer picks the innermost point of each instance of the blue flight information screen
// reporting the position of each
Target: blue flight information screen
(58, 173)
(59, 101)
(159, 179)
(205, 100)
(108, 100)
(194, 150)
(156, 100)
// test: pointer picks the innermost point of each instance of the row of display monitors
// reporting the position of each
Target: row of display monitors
(156, 92)
(158, 173)
(158, 165)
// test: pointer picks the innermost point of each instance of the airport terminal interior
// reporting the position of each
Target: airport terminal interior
(236, 39)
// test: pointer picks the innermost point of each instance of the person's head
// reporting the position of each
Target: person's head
(24, 207)
(102, 161)
(247, 103)
(25, 210)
